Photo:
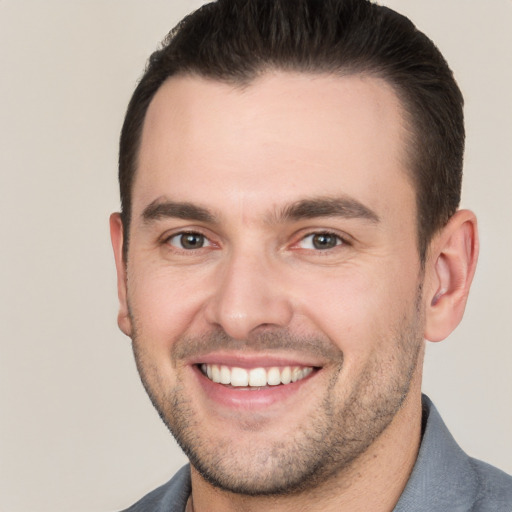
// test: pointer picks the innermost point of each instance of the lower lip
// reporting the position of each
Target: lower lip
(249, 398)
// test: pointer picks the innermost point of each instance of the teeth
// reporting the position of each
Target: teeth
(256, 377)
(286, 375)
(225, 375)
(239, 377)
(215, 373)
(273, 376)
(296, 374)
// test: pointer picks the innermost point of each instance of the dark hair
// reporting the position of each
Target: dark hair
(236, 40)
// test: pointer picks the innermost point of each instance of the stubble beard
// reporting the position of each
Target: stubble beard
(327, 445)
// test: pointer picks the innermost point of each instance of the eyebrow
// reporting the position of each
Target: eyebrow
(346, 207)
(163, 208)
(303, 209)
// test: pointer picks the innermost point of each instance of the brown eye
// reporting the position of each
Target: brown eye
(189, 241)
(324, 241)
(320, 241)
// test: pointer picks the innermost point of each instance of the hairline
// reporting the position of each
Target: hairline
(243, 80)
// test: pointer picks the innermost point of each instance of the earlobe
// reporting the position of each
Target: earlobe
(116, 236)
(450, 266)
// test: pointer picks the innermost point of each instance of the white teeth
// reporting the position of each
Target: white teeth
(255, 377)
(225, 375)
(215, 373)
(286, 375)
(273, 376)
(239, 377)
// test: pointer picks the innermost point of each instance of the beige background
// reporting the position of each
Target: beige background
(77, 432)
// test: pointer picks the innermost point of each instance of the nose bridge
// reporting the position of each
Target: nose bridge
(249, 293)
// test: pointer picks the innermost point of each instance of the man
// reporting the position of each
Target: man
(290, 174)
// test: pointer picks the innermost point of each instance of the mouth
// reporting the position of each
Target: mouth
(255, 378)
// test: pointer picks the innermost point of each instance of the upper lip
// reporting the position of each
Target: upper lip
(255, 360)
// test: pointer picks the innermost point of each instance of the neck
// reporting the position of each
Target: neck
(374, 481)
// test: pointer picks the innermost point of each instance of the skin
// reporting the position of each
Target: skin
(256, 172)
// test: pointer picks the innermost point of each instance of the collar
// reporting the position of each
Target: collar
(443, 477)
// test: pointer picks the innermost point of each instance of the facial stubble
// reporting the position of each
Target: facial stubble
(335, 436)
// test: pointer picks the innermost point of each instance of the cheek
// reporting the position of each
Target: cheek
(164, 304)
(357, 309)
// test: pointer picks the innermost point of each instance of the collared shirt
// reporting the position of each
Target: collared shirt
(444, 479)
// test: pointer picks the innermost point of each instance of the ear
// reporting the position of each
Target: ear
(117, 237)
(450, 269)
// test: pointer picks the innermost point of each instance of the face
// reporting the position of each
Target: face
(273, 284)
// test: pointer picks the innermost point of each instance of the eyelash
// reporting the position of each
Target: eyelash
(183, 234)
(206, 242)
(338, 240)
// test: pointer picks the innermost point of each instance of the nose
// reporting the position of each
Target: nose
(249, 294)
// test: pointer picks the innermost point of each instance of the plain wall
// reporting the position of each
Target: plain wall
(77, 432)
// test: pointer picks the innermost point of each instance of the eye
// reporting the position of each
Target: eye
(188, 241)
(320, 241)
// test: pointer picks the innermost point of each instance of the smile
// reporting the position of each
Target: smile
(255, 377)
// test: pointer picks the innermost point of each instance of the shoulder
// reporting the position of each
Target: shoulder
(170, 497)
(494, 490)
(446, 478)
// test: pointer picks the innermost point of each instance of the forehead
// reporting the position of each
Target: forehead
(284, 136)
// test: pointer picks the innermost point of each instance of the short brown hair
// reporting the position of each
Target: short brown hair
(236, 40)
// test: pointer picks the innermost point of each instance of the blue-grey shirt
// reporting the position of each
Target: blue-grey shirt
(444, 479)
